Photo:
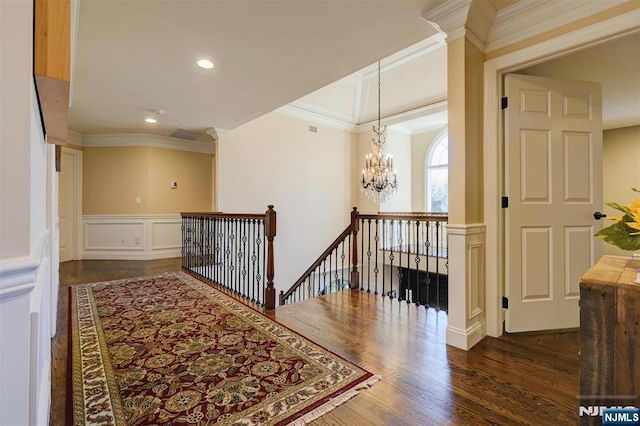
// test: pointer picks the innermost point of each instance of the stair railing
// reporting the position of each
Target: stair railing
(329, 273)
(405, 256)
(233, 251)
(396, 255)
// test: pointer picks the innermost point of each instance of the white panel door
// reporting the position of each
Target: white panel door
(553, 180)
(66, 206)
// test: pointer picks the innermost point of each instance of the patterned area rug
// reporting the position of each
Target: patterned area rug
(169, 349)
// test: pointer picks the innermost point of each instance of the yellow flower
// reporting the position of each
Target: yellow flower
(625, 232)
(634, 212)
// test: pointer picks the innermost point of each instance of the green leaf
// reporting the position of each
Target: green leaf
(618, 207)
(618, 235)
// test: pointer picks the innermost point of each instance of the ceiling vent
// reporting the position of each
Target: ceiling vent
(189, 135)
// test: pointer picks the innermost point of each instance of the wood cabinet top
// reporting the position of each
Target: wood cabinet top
(613, 271)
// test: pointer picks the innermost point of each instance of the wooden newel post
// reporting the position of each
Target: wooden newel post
(270, 233)
(355, 226)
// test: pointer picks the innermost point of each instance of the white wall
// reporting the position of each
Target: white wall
(276, 160)
(26, 211)
(131, 237)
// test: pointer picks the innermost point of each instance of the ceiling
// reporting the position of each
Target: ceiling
(312, 59)
(136, 57)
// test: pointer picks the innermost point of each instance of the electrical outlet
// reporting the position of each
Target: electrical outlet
(123, 238)
(174, 185)
(137, 240)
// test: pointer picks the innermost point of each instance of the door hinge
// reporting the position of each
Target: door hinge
(505, 302)
(505, 102)
(505, 202)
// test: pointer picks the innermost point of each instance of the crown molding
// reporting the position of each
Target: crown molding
(479, 22)
(405, 116)
(144, 139)
(528, 18)
(402, 57)
(599, 32)
(450, 17)
(74, 138)
(392, 120)
(315, 117)
(419, 131)
(328, 114)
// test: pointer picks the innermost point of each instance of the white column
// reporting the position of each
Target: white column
(467, 324)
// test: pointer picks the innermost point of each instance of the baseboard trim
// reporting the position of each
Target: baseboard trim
(131, 255)
(466, 339)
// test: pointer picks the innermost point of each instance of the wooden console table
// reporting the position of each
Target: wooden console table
(609, 336)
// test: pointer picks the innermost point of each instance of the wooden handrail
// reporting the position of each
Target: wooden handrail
(421, 216)
(269, 218)
(323, 256)
(227, 215)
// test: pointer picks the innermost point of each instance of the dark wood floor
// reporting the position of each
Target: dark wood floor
(516, 379)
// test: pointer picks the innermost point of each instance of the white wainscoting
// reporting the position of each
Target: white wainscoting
(25, 364)
(131, 237)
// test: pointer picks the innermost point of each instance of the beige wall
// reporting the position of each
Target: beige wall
(465, 104)
(113, 177)
(399, 145)
(363, 147)
(621, 171)
(193, 173)
(420, 146)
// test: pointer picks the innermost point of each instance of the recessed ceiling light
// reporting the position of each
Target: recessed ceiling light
(205, 63)
(150, 120)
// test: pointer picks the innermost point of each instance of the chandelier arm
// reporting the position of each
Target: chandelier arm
(379, 179)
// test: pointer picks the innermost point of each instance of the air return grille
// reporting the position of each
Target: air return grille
(189, 135)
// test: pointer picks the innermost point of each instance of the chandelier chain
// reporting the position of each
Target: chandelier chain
(379, 179)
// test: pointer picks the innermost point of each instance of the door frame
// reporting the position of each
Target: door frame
(77, 201)
(494, 71)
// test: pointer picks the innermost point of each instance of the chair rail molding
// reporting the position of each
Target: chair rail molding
(18, 275)
(132, 237)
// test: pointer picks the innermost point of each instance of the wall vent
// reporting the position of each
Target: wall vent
(189, 135)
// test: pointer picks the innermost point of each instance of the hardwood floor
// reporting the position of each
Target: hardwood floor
(516, 379)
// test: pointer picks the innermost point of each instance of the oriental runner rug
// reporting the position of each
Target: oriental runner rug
(169, 349)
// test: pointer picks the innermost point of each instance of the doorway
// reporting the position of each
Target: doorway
(495, 70)
(69, 204)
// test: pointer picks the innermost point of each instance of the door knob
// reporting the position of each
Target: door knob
(598, 215)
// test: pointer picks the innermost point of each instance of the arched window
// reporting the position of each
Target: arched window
(437, 175)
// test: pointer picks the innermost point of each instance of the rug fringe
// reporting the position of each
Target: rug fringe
(334, 402)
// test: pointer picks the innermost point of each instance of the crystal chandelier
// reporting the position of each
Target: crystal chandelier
(379, 180)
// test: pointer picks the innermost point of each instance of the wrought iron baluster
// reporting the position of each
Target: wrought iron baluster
(349, 259)
(391, 259)
(437, 266)
(253, 260)
(417, 262)
(342, 258)
(376, 240)
(263, 241)
(245, 258)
